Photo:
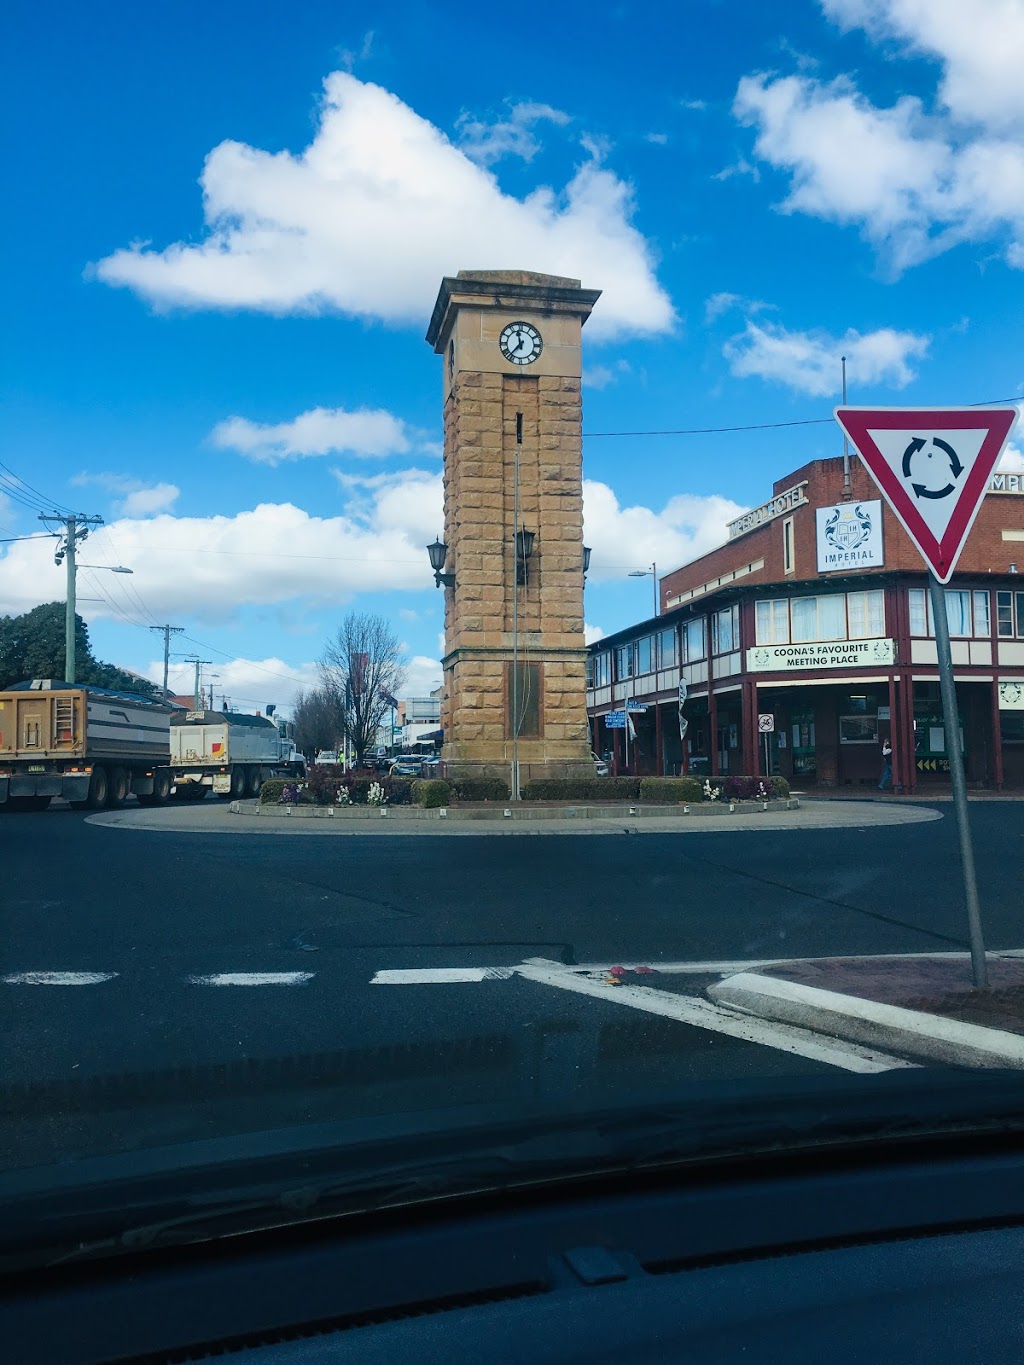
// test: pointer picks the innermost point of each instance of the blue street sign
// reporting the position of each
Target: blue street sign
(637, 707)
(615, 720)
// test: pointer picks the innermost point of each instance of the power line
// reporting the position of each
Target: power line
(258, 667)
(766, 426)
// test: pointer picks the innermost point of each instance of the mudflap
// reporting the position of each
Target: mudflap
(222, 784)
(47, 784)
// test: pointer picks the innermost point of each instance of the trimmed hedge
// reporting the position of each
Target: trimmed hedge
(431, 792)
(582, 789)
(270, 792)
(479, 788)
(671, 789)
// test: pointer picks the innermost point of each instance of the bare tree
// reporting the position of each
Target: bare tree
(319, 721)
(361, 669)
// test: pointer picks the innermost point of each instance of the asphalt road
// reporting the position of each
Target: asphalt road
(169, 1036)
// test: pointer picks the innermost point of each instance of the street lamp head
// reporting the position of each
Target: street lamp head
(437, 553)
(524, 544)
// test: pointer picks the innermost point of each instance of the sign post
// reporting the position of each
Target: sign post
(933, 466)
(766, 727)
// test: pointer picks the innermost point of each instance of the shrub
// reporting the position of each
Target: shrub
(323, 782)
(479, 788)
(582, 789)
(431, 792)
(740, 788)
(270, 792)
(665, 789)
(398, 790)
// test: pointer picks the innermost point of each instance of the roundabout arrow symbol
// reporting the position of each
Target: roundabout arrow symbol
(955, 467)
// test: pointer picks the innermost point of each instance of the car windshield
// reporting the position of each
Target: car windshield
(511, 638)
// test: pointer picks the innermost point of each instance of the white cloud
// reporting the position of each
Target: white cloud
(367, 218)
(270, 554)
(659, 139)
(485, 143)
(422, 676)
(249, 684)
(693, 104)
(724, 302)
(915, 182)
(600, 376)
(740, 167)
(1012, 459)
(627, 538)
(137, 499)
(592, 633)
(980, 45)
(320, 431)
(809, 362)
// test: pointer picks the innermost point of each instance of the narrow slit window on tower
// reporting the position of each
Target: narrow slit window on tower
(519, 428)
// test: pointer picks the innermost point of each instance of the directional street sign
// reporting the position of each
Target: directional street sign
(637, 707)
(765, 723)
(933, 466)
(615, 720)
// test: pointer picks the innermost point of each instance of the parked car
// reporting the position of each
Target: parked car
(406, 765)
(601, 768)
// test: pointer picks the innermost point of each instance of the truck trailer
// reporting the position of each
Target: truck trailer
(227, 752)
(89, 745)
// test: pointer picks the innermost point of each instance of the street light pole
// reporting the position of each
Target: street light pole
(642, 573)
(76, 528)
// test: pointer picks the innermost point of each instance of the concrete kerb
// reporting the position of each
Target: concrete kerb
(854, 1019)
(244, 817)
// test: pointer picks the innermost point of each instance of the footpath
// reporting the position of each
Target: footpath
(249, 817)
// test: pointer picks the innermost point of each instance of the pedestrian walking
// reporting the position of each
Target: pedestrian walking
(887, 766)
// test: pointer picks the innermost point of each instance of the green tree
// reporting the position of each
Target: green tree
(32, 646)
(318, 720)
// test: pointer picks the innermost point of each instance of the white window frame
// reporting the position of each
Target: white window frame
(788, 548)
(771, 621)
(864, 604)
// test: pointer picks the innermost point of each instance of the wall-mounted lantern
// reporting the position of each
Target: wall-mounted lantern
(438, 553)
(586, 561)
(524, 549)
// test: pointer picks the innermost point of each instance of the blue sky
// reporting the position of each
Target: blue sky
(231, 223)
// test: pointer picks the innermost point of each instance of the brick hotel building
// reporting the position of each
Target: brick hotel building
(816, 613)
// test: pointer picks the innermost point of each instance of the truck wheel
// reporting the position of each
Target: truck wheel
(255, 782)
(197, 792)
(161, 792)
(117, 788)
(97, 797)
(239, 784)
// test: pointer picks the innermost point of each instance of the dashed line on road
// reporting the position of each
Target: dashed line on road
(439, 976)
(252, 979)
(58, 978)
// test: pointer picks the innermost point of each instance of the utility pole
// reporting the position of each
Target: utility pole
(197, 694)
(76, 528)
(167, 632)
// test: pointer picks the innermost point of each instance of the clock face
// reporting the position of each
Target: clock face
(520, 343)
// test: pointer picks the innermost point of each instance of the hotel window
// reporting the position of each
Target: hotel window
(668, 651)
(624, 661)
(967, 612)
(819, 618)
(982, 625)
(1004, 613)
(772, 621)
(602, 669)
(787, 545)
(694, 640)
(866, 614)
(645, 654)
(725, 630)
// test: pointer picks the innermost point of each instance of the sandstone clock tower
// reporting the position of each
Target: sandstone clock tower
(512, 570)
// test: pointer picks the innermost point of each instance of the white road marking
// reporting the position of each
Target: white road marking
(703, 1014)
(58, 978)
(437, 976)
(252, 979)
